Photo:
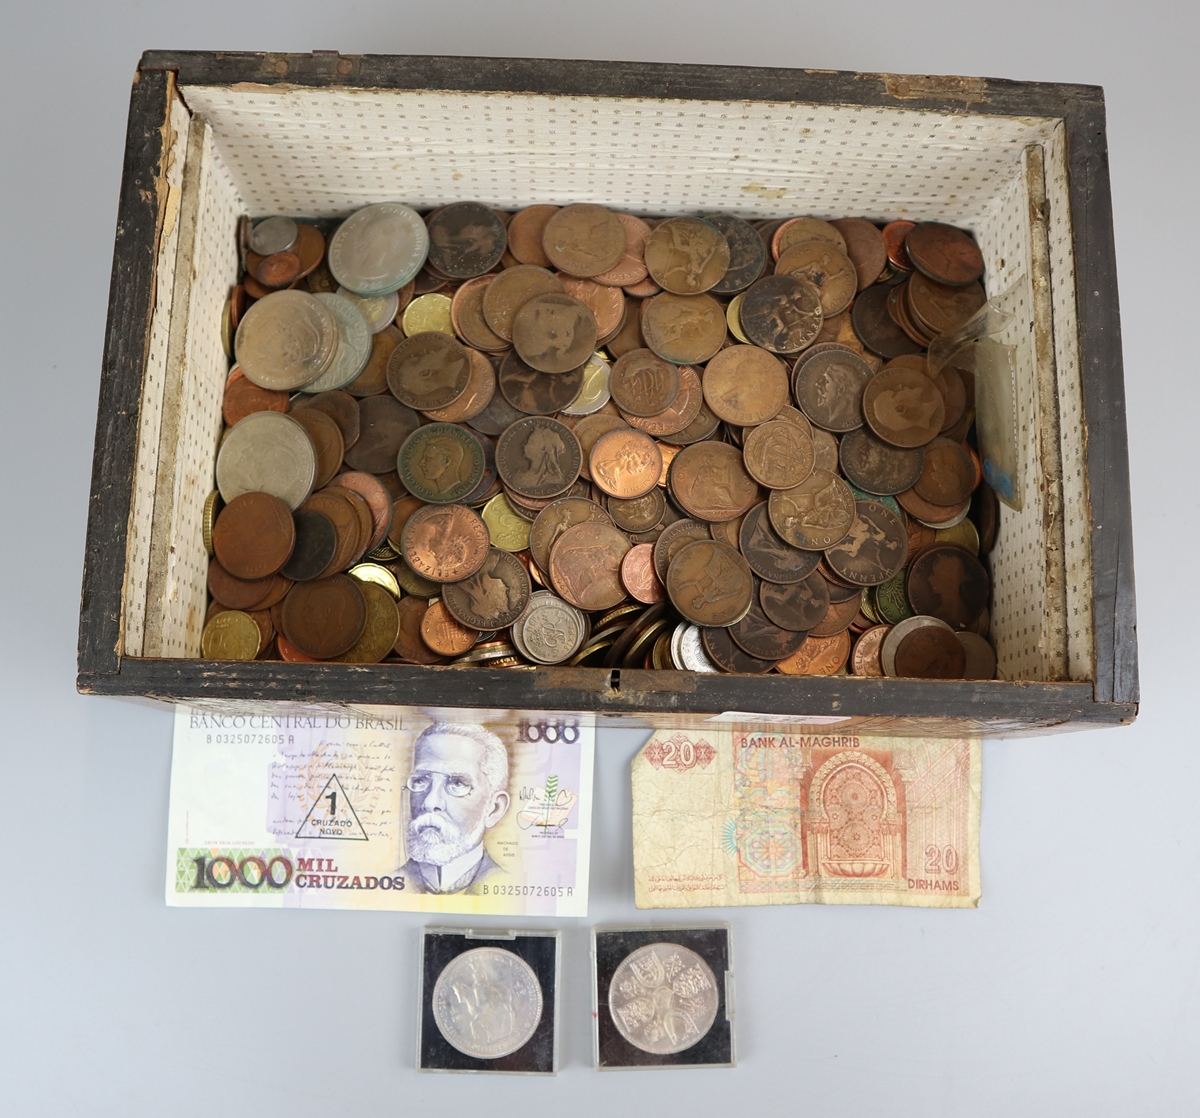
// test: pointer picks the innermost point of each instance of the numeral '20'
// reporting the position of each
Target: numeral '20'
(941, 860)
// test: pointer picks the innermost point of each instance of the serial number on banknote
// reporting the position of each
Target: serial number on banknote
(527, 890)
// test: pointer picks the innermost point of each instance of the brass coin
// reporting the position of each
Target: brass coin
(243, 397)
(781, 313)
(443, 634)
(593, 392)
(746, 385)
(525, 234)
(584, 240)
(440, 463)
(327, 442)
(208, 518)
(253, 536)
(675, 537)
(964, 533)
(555, 519)
(687, 256)
(891, 598)
(944, 254)
(684, 329)
(231, 635)
(325, 618)
(874, 550)
(779, 454)
(710, 584)
(802, 229)
(643, 384)
(378, 575)
(481, 387)
(639, 576)
(380, 631)
(903, 407)
(930, 652)
(829, 388)
(682, 414)
(444, 543)
(428, 370)
(409, 644)
(940, 308)
(817, 656)
(538, 457)
(799, 606)
(536, 393)
(710, 482)
(815, 514)
(373, 379)
(730, 657)
(385, 424)
(625, 463)
(826, 268)
(554, 333)
(506, 530)
(494, 596)
(865, 247)
(865, 657)
(465, 239)
(639, 514)
(758, 635)
(341, 407)
(631, 268)
(948, 477)
(508, 292)
(747, 253)
(585, 565)
(411, 582)
(770, 557)
(878, 467)
(316, 545)
(949, 583)
(875, 327)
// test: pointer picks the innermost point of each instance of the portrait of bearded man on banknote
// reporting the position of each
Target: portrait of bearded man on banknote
(457, 791)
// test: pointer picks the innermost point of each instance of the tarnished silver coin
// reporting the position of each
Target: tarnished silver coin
(487, 1002)
(354, 344)
(286, 340)
(552, 630)
(267, 452)
(691, 651)
(272, 235)
(379, 310)
(663, 998)
(379, 248)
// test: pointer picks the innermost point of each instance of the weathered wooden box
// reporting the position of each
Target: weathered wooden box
(216, 135)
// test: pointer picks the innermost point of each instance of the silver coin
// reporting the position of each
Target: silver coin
(487, 1002)
(663, 998)
(677, 646)
(273, 234)
(593, 392)
(691, 651)
(379, 248)
(887, 651)
(354, 344)
(378, 310)
(953, 522)
(552, 631)
(286, 340)
(267, 452)
(981, 656)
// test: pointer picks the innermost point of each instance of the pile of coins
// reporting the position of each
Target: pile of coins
(573, 436)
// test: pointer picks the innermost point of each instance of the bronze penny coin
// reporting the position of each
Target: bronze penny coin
(948, 477)
(643, 384)
(950, 384)
(525, 234)
(253, 536)
(730, 657)
(900, 309)
(310, 247)
(631, 268)
(373, 379)
(508, 292)
(878, 467)
(746, 385)
(684, 329)
(280, 585)
(826, 268)
(839, 616)
(944, 254)
(903, 407)
(499, 414)
(385, 424)
(428, 370)
(709, 481)
(402, 509)
(243, 397)
(675, 537)
(276, 270)
(937, 515)
(555, 519)
(554, 333)
(625, 463)
(942, 309)
(779, 454)
(466, 316)
(465, 239)
(607, 304)
(864, 246)
(443, 634)
(894, 234)
(639, 514)
(781, 313)
(875, 548)
(493, 596)
(799, 606)
(801, 229)
(686, 255)
(585, 565)
(639, 577)
(683, 413)
(875, 327)
(338, 505)
(948, 582)
(535, 393)
(584, 240)
(710, 584)
(814, 515)
(985, 512)
(865, 659)
(426, 281)
(538, 457)
(481, 387)
(817, 656)
(325, 617)
(770, 557)
(327, 441)
(747, 253)
(825, 447)
(316, 545)
(758, 635)
(341, 407)
(440, 463)
(444, 543)
(629, 337)
(588, 431)
(409, 643)
(930, 653)
(829, 388)
(236, 593)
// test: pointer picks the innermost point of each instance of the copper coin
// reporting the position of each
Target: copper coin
(253, 536)
(465, 239)
(466, 316)
(525, 234)
(338, 505)
(730, 657)
(588, 431)
(864, 246)
(769, 556)
(815, 514)
(950, 384)
(710, 584)
(639, 577)
(508, 292)
(747, 253)
(779, 454)
(684, 329)
(631, 268)
(481, 387)
(443, 634)
(555, 519)
(899, 308)
(949, 583)
(327, 441)
(381, 630)
(629, 337)
(316, 546)
(985, 511)
(942, 309)
(746, 385)
(538, 457)
(385, 424)
(865, 658)
(499, 414)
(903, 407)
(675, 537)
(710, 482)
(840, 615)
(944, 254)
(758, 635)
(781, 313)
(687, 256)
(428, 370)
(799, 606)
(643, 384)
(930, 653)
(444, 543)
(949, 474)
(801, 229)
(829, 388)
(310, 247)
(409, 643)
(683, 413)
(826, 268)
(625, 463)
(825, 447)
(585, 565)
(878, 467)
(341, 407)
(276, 270)
(875, 327)
(875, 548)
(440, 463)
(325, 618)
(817, 656)
(402, 509)
(280, 585)
(893, 241)
(607, 304)
(639, 514)
(536, 393)
(236, 593)
(937, 515)
(554, 333)
(584, 240)
(243, 397)
(373, 379)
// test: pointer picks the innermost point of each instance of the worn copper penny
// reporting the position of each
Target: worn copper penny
(747, 253)
(937, 516)
(825, 447)
(799, 230)
(554, 333)
(948, 477)
(440, 463)
(894, 234)
(875, 327)
(236, 593)
(466, 316)
(253, 536)
(827, 268)
(684, 412)
(731, 657)
(443, 634)
(875, 548)
(625, 463)
(525, 234)
(402, 509)
(538, 457)
(276, 270)
(817, 656)
(758, 635)
(243, 397)
(639, 514)
(709, 481)
(639, 577)
(373, 379)
(949, 583)
(555, 519)
(815, 514)
(536, 393)
(798, 606)
(746, 385)
(385, 424)
(781, 313)
(339, 505)
(684, 329)
(903, 407)
(588, 431)
(341, 407)
(829, 388)
(643, 384)
(709, 583)
(584, 240)
(316, 546)
(941, 309)
(864, 246)
(631, 268)
(465, 239)
(779, 454)
(409, 644)
(607, 304)
(508, 292)
(686, 255)
(770, 557)
(325, 617)
(481, 387)
(585, 565)
(841, 613)
(878, 467)
(428, 370)
(865, 659)
(930, 652)
(675, 537)
(327, 441)
(944, 254)
(444, 543)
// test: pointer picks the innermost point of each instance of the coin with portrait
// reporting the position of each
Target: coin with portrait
(440, 463)
(538, 457)
(800, 606)
(829, 388)
(493, 596)
(428, 370)
(903, 407)
(948, 582)
(554, 333)
(745, 385)
(465, 239)
(533, 392)
(710, 482)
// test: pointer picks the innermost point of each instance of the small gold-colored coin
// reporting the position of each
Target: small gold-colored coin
(381, 576)
(506, 530)
(382, 627)
(232, 635)
(428, 312)
(209, 518)
(733, 317)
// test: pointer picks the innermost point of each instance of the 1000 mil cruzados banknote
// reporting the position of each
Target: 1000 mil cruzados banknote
(467, 811)
(742, 816)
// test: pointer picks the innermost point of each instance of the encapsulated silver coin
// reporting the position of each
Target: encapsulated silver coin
(379, 310)
(267, 452)
(663, 998)
(379, 248)
(487, 1002)
(552, 630)
(691, 651)
(354, 344)
(286, 340)
(273, 234)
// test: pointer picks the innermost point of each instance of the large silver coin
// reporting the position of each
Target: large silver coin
(552, 630)
(379, 310)
(663, 998)
(487, 1002)
(267, 452)
(691, 651)
(272, 235)
(286, 340)
(354, 344)
(379, 248)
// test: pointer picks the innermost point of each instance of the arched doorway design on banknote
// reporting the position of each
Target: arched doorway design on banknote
(855, 828)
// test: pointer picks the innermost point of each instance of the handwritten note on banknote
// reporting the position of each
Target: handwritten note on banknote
(736, 815)
(390, 808)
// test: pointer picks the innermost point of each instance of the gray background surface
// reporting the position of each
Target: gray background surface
(1072, 990)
